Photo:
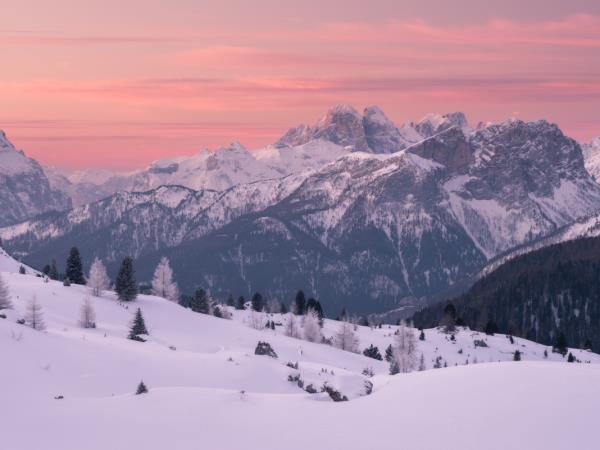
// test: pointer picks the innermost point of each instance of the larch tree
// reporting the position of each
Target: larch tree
(98, 280)
(87, 317)
(5, 302)
(345, 338)
(291, 327)
(312, 328)
(34, 316)
(74, 268)
(126, 284)
(300, 303)
(163, 284)
(405, 349)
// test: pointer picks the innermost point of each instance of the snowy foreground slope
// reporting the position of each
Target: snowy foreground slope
(209, 390)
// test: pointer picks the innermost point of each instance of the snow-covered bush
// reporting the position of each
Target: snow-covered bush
(264, 348)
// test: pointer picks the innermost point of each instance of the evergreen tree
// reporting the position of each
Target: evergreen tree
(517, 356)
(22, 270)
(491, 328)
(53, 273)
(5, 302)
(571, 358)
(394, 367)
(241, 303)
(315, 305)
(74, 268)
(66, 282)
(34, 316)
(389, 353)
(98, 280)
(138, 327)
(283, 308)
(372, 352)
(46, 270)
(163, 284)
(230, 301)
(141, 389)
(200, 303)
(422, 335)
(422, 366)
(300, 304)
(258, 302)
(125, 284)
(587, 345)
(560, 346)
(448, 321)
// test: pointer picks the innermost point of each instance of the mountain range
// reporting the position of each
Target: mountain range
(357, 211)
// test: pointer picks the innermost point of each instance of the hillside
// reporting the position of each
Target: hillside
(537, 295)
(203, 377)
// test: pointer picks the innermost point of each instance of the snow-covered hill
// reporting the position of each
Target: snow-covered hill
(75, 386)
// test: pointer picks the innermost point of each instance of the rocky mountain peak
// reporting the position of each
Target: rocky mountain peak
(433, 124)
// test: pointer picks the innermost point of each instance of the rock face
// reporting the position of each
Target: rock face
(591, 154)
(24, 188)
(362, 230)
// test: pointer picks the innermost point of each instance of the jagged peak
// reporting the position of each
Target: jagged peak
(375, 114)
(342, 108)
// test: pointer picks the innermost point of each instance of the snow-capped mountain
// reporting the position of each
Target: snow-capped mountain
(366, 230)
(24, 188)
(591, 153)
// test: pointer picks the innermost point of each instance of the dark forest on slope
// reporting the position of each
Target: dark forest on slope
(536, 296)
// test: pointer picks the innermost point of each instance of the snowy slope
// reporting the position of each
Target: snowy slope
(9, 264)
(195, 391)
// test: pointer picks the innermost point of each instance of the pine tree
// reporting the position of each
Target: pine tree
(34, 316)
(74, 268)
(316, 306)
(394, 367)
(88, 315)
(571, 358)
(517, 356)
(53, 274)
(372, 352)
(125, 284)
(200, 303)
(98, 280)
(162, 282)
(138, 327)
(46, 270)
(587, 345)
(422, 336)
(312, 329)
(560, 346)
(22, 270)
(241, 303)
(230, 301)
(448, 321)
(5, 302)
(300, 304)
(491, 328)
(389, 353)
(141, 389)
(257, 302)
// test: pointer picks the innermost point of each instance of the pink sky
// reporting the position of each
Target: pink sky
(120, 83)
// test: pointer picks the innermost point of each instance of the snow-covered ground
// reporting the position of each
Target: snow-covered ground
(209, 390)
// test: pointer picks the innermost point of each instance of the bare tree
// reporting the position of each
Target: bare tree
(34, 316)
(405, 349)
(345, 338)
(292, 327)
(98, 279)
(312, 329)
(5, 302)
(88, 315)
(162, 282)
